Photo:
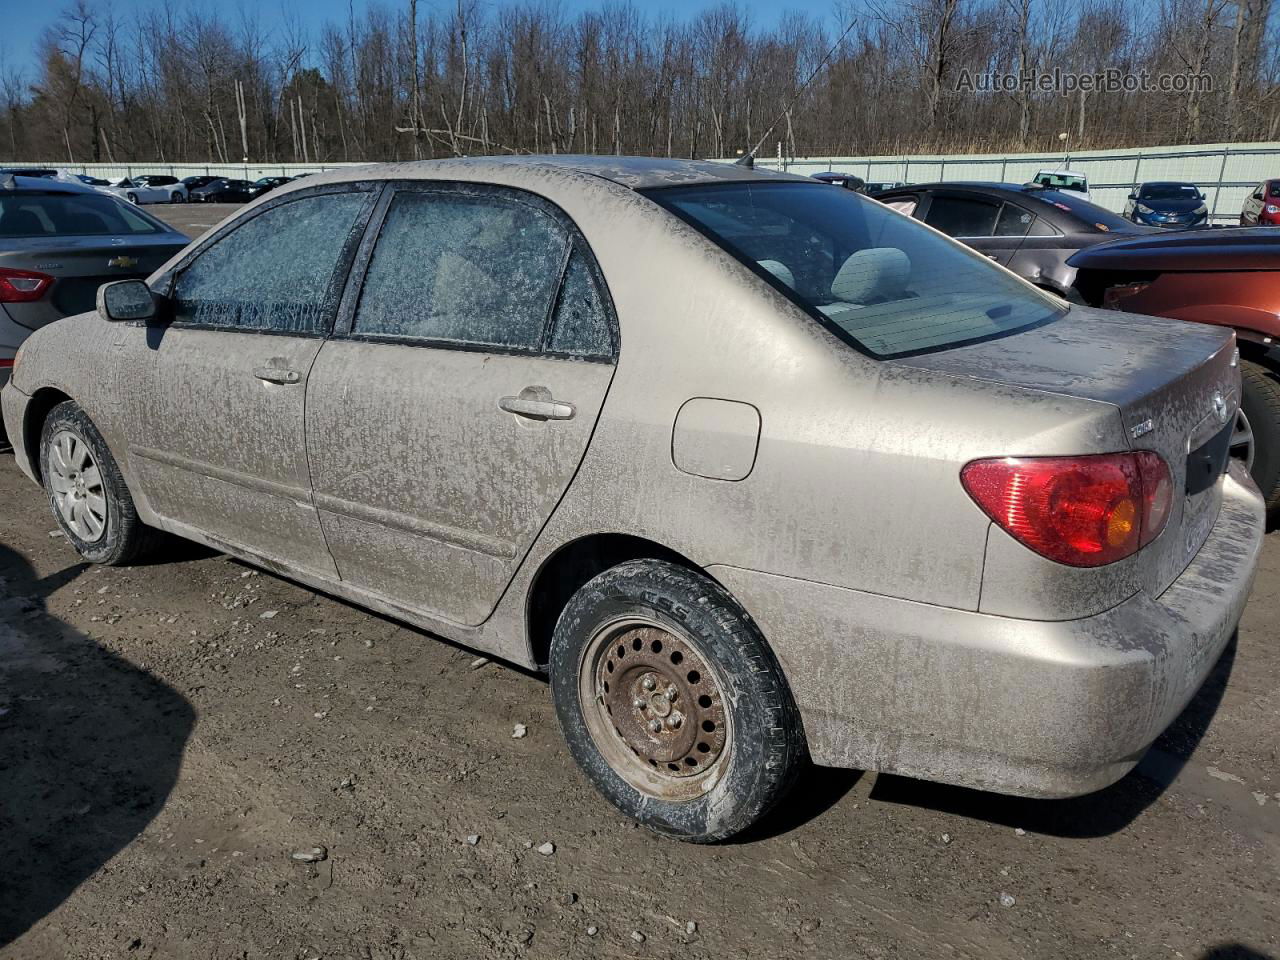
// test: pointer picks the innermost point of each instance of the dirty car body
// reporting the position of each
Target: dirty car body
(747, 389)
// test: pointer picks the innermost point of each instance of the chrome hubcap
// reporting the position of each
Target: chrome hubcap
(75, 486)
(1242, 440)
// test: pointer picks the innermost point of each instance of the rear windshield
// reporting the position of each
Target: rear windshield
(71, 214)
(1169, 191)
(1060, 181)
(1085, 211)
(879, 280)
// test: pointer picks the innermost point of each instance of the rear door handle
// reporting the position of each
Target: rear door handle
(537, 409)
(277, 375)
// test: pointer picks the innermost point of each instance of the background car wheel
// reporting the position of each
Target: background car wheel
(672, 702)
(1261, 405)
(89, 499)
(132, 197)
(176, 197)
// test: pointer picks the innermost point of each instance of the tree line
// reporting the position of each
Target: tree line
(422, 79)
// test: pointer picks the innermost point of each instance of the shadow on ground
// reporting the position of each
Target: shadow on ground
(1094, 815)
(1234, 951)
(90, 747)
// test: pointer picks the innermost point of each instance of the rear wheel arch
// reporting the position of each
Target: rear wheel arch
(571, 566)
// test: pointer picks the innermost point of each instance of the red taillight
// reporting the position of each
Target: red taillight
(1082, 511)
(22, 286)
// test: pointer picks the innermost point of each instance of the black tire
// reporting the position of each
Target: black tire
(177, 197)
(132, 197)
(763, 740)
(124, 538)
(1261, 404)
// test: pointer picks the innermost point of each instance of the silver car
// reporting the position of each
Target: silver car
(756, 470)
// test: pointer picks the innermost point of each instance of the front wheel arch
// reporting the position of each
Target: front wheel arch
(42, 403)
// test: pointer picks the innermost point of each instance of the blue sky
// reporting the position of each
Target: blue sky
(23, 21)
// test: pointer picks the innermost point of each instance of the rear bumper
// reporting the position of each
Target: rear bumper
(13, 408)
(1025, 707)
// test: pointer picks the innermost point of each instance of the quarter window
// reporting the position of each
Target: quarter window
(1014, 221)
(581, 325)
(275, 272)
(462, 268)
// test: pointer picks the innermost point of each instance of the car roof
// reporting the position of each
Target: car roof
(636, 173)
(44, 184)
(1167, 183)
(1062, 173)
(1223, 248)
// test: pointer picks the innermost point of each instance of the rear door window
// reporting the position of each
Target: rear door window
(958, 216)
(470, 269)
(275, 272)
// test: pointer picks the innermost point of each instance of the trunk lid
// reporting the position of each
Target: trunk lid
(79, 265)
(1176, 386)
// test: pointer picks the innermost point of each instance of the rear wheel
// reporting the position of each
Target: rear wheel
(672, 703)
(90, 501)
(132, 197)
(177, 197)
(1260, 404)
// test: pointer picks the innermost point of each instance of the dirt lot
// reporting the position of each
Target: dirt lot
(171, 734)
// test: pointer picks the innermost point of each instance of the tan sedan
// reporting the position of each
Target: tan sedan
(755, 469)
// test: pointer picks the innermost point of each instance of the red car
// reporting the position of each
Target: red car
(1226, 277)
(1263, 206)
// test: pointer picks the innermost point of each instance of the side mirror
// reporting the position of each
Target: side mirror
(1133, 196)
(126, 300)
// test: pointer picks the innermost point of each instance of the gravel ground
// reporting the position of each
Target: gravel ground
(172, 735)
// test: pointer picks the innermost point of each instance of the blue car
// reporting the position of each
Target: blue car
(1167, 204)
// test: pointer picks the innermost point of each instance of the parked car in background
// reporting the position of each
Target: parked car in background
(177, 189)
(1262, 207)
(807, 479)
(91, 181)
(224, 190)
(1168, 204)
(42, 172)
(1230, 278)
(879, 186)
(1029, 229)
(1064, 180)
(194, 183)
(138, 193)
(58, 242)
(846, 180)
(267, 184)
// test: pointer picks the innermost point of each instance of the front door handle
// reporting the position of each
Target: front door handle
(537, 409)
(277, 375)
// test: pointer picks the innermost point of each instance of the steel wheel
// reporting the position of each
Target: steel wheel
(1242, 440)
(655, 709)
(75, 485)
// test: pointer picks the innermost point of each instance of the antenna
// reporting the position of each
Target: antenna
(748, 159)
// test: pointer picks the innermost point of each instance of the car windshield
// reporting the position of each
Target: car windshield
(1086, 211)
(878, 280)
(71, 214)
(1274, 190)
(1169, 191)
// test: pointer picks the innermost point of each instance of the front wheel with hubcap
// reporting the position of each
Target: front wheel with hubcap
(672, 703)
(90, 501)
